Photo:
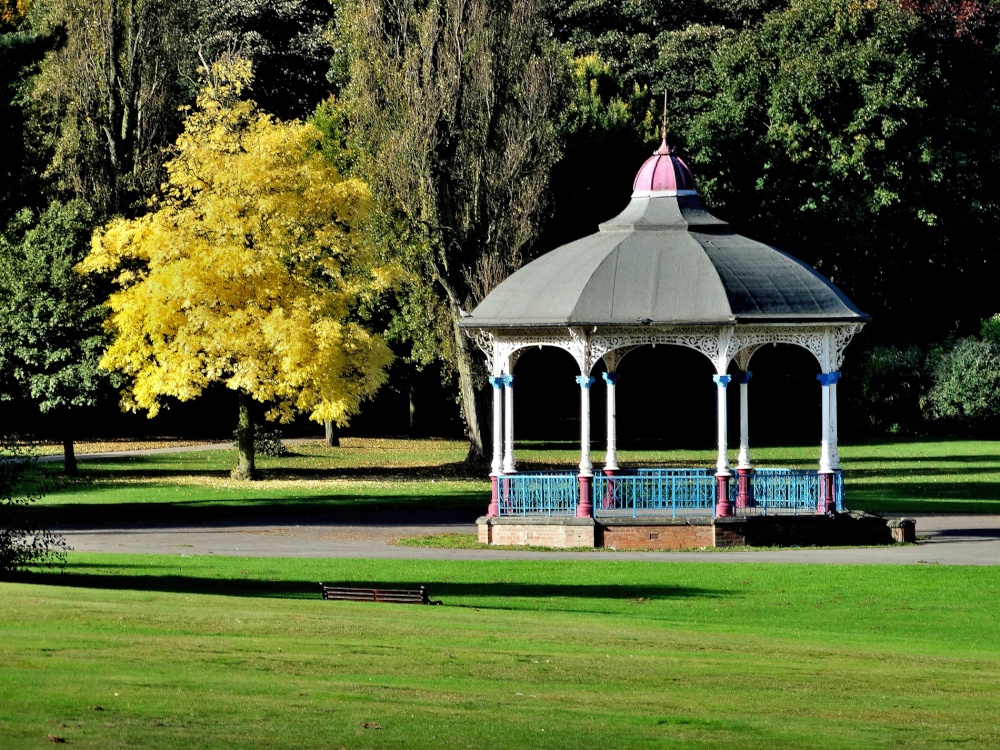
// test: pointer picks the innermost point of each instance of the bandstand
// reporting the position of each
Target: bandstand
(662, 272)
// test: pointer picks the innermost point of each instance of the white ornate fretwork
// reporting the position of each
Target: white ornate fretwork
(721, 344)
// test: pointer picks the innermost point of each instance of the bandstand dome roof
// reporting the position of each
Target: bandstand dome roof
(664, 260)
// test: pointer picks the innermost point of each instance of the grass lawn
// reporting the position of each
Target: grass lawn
(417, 475)
(173, 652)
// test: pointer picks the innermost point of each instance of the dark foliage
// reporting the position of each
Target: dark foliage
(21, 484)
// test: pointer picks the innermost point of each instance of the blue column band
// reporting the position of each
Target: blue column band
(828, 378)
(745, 377)
(497, 382)
(508, 380)
(611, 378)
(721, 380)
(584, 381)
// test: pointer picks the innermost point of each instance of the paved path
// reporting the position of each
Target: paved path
(80, 457)
(945, 540)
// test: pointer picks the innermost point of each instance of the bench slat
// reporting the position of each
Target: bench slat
(390, 596)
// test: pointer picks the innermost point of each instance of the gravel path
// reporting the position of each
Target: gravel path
(944, 540)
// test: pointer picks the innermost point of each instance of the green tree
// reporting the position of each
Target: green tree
(966, 388)
(105, 100)
(19, 177)
(51, 321)
(859, 137)
(604, 130)
(246, 272)
(966, 380)
(288, 42)
(630, 37)
(451, 106)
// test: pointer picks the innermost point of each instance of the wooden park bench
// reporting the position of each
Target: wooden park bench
(394, 596)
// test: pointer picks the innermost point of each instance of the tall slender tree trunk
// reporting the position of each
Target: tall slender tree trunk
(466, 372)
(245, 464)
(411, 392)
(467, 392)
(69, 456)
(332, 435)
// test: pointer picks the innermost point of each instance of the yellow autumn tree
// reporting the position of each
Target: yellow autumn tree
(245, 271)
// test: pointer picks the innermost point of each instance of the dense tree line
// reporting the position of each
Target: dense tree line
(860, 136)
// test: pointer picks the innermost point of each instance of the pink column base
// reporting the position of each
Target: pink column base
(584, 508)
(827, 502)
(723, 508)
(494, 509)
(609, 496)
(744, 493)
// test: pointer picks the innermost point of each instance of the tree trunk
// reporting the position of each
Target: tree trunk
(69, 457)
(245, 465)
(466, 378)
(411, 392)
(467, 392)
(332, 436)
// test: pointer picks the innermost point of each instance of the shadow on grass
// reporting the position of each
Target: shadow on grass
(929, 497)
(151, 468)
(483, 595)
(486, 595)
(934, 459)
(970, 491)
(922, 472)
(369, 510)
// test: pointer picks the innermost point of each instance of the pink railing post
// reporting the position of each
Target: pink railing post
(609, 494)
(585, 508)
(494, 509)
(723, 508)
(744, 491)
(827, 500)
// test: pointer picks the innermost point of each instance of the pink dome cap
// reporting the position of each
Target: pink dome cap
(663, 174)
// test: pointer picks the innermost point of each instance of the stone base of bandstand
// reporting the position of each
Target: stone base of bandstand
(848, 529)
(560, 532)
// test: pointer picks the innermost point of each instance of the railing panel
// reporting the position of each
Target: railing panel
(788, 491)
(538, 493)
(655, 490)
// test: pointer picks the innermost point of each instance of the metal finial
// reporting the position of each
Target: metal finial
(664, 131)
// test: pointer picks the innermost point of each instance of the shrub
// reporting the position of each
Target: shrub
(266, 442)
(889, 383)
(967, 381)
(21, 484)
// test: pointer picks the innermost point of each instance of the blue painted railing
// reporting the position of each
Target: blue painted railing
(789, 491)
(673, 491)
(658, 490)
(548, 493)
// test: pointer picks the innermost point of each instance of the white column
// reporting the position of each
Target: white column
(828, 441)
(509, 466)
(834, 449)
(497, 466)
(611, 457)
(586, 467)
(722, 464)
(743, 462)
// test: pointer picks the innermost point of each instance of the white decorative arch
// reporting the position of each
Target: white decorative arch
(721, 344)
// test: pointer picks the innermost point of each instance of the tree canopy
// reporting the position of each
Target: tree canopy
(104, 100)
(451, 107)
(246, 270)
(51, 320)
(858, 137)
